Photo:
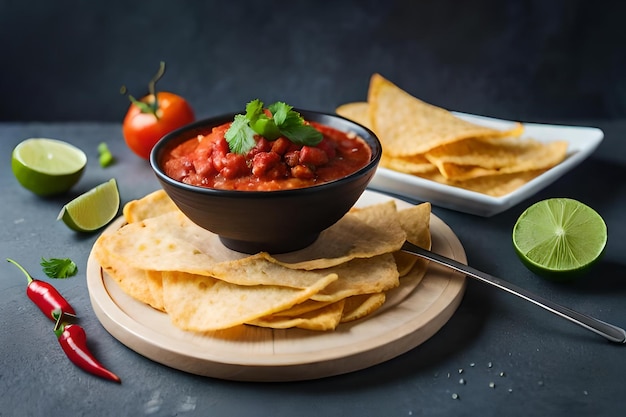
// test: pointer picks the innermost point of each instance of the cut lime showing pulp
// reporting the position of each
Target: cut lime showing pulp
(47, 166)
(559, 238)
(92, 210)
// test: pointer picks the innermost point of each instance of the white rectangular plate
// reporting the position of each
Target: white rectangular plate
(582, 142)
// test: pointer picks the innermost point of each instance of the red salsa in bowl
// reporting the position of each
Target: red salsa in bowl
(280, 164)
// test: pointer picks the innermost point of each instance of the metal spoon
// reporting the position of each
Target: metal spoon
(610, 332)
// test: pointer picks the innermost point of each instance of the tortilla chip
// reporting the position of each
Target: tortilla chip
(416, 164)
(302, 308)
(132, 281)
(359, 306)
(361, 276)
(201, 303)
(473, 158)
(364, 233)
(415, 221)
(321, 319)
(256, 270)
(492, 185)
(154, 280)
(152, 205)
(169, 242)
(357, 111)
(408, 126)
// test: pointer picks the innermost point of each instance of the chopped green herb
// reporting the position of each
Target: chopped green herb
(240, 136)
(106, 157)
(284, 121)
(58, 268)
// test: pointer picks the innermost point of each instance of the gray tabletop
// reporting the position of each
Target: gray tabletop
(498, 354)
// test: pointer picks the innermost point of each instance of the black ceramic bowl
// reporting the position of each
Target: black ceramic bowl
(272, 221)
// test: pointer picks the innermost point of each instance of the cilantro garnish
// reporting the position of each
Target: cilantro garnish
(58, 268)
(282, 121)
(240, 136)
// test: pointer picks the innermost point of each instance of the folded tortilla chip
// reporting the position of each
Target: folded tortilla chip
(201, 303)
(492, 185)
(357, 111)
(324, 318)
(151, 205)
(471, 158)
(408, 126)
(415, 221)
(359, 306)
(363, 233)
(416, 164)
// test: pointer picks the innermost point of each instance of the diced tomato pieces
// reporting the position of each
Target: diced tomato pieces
(264, 145)
(329, 147)
(221, 146)
(179, 168)
(234, 166)
(278, 171)
(313, 156)
(263, 162)
(202, 162)
(302, 172)
(281, 145)
(292, 158)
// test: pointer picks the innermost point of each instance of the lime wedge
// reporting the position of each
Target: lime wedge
(92, 210)
(47, 166)
(559, 238)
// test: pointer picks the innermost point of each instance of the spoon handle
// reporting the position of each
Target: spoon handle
(610, 332)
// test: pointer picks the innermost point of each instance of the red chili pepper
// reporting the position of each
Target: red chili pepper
(45, 296)
(73, 340)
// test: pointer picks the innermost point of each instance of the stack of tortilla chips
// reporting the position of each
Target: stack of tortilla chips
(164, 260)
(430, 142)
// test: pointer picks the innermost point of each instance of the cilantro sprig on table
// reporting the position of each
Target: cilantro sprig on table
(283, 121)
(58, 267)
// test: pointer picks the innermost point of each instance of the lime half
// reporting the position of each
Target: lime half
(92, 210)
(47, 166)
(559, 238)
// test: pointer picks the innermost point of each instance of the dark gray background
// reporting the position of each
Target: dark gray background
(527, 60)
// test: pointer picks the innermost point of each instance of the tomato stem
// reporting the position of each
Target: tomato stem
(152, 85)
(148, 107)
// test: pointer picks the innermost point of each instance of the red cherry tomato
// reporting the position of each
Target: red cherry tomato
(142, 129)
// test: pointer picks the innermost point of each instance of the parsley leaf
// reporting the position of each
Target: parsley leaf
(260, 123)
(302, 134)
(291, 124)
(254, 109)
(280, 111)
(240, 136)
(59, 268)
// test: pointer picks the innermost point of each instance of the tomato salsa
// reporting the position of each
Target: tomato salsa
(207, 161)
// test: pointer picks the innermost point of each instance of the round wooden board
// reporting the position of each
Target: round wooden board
(250, 353)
